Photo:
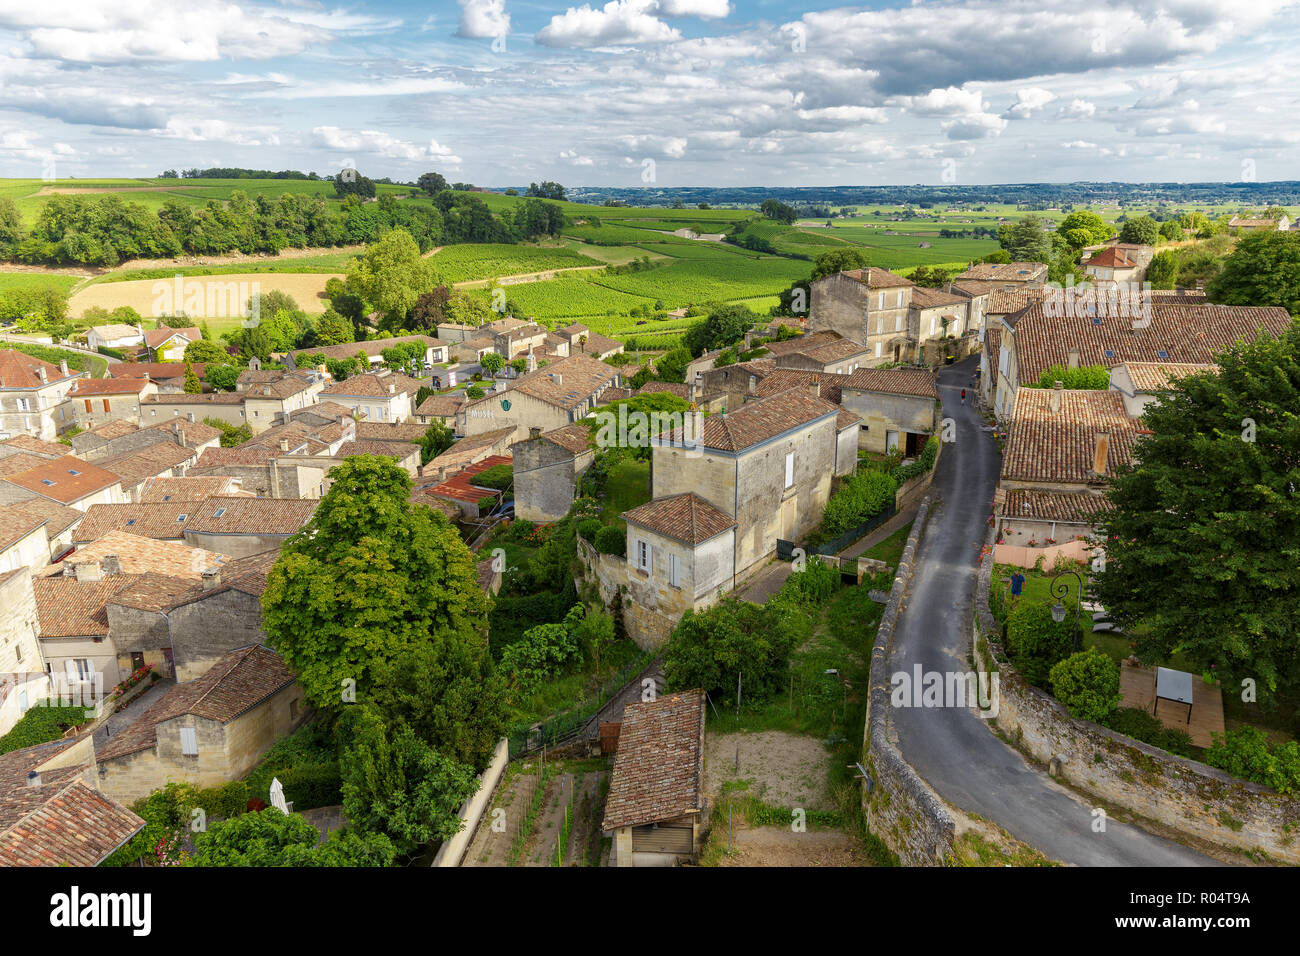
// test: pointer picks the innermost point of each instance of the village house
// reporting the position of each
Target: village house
(23, 681)
(840, 356)
(164, 459)
(168, 345)
(33, 396)
(51, 811)
(67, 481)
(549, 398)
(508, 342)
(98, 400)
(864, 305)
(406, 454)
(272, 396)
(1007, 275)
(113, 439)
(169, 377)
(159, 520)
(581, 340)
(226, 407)
(458, 487)
(547, 468)
(74, 629)
(436, 351)
(207, 731)
(899, 408)
(656, 808)
(114, 336)
(375, 396)
(976, 293)
(190, 488)
(35, 533)
(1139, 383)
(1280, 224)
(936, 315)
(440, 408)
(1119, 264)
(244, 526)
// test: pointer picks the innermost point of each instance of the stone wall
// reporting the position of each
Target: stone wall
(471, 812)
(645, 626)
(1189, 797)
(900, 807)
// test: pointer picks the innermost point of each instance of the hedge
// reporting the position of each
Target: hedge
(40, 725)
(609, 540)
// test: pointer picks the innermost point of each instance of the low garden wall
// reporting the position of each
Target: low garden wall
(1025, 557)
(900, 808)
(471, 814)
(1181, 794)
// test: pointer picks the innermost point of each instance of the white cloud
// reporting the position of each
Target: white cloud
(1078, 109)
(618, 23)
(572, 157)
(483, 18)
(704, 9)
(947, 102)
(1079, 144)
(974, 126)
(221, 131)
(674, 147)
(380, 143)
(1029, 101)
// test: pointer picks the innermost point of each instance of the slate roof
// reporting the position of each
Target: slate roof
(686, 517)
(1070, 507)
(895, 381)
(1058, 446)
(61, 821)
(234, 685)
(1187, 334)
(659, 769)
(757, 421)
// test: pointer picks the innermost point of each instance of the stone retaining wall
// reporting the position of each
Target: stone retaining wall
(1183, 795)
(900, 807)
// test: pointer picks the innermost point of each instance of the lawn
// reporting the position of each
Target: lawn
(14, 281)
(891, 549)
(627, 486)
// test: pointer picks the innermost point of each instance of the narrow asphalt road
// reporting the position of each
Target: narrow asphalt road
(950, 747)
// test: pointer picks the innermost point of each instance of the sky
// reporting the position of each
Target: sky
(656, 92)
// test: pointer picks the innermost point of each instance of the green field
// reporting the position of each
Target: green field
(13, 281)
(473, 261)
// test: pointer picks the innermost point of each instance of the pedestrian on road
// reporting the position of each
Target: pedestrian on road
(963, 396)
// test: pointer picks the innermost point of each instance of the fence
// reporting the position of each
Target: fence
(529, 738)
(842, 541)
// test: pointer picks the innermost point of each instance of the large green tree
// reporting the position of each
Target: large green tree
(1140, 229)
(1203, 545)
(273, 838)
(369, 579)
(1026, 240)
(1084, 228)
(725, 325)
(391, 276)
(1264, 269)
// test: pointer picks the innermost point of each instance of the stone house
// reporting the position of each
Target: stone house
(116, 438)
(159, 520)
(869, 305)
(273, 400)
(20, 646)
(98, 400)
(168, 376)
(114, 336)
(898, 408)
(549, 398)
(73, 626)
(1120, 262)
(841, 357)
(227, 407)
(168, 345)
(52, 814)
(1007, 275)
(33, 396)
(976, 294)
(1260, 225)
(440, 408)
(67, 481)
(459, 488)
(18, 526)
(1139, 383)
(581, 340)
(406, 454)
(936, 315)
(206, 731)
(164, 459)
(244, 526)
(512, 342)
(547, 467)
(656, 808)
(436, 351)
(376, 396)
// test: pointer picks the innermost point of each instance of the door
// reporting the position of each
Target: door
(789, 517)
(891, 441)
(168, 666)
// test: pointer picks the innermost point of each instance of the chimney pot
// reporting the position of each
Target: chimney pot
(63, 367)
(284, 444)
(112, 564)
(189, 416)
(211, 578)
(89, 571)
(534, 432)
(1099, 454)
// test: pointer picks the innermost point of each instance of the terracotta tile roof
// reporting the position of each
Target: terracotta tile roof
(760, 420)
(1058, 446)
(405, 432)
(331, 411)
(1153, 376)
(85, 387)
(162, 520)
(138, 555)
(200, 398)
(441, 406)
(1005, 301)
(465, 450)
(194, 433)
(833, 351)
(151, 592)
(846, 419)
(896, 381)
(117, 428)
(190, 488)
(279, 388)
(61, 821)
(680, 389)
(394, 449)
(926, 298)
(372, 385)
(580, 377)
(971, 288)
(659, 768)
(234, 685)
(37, 446)
(156, 337)
(1005, 271)
(829, 383)
(1071, 507)
(141, 463)
(1113, 257)
(613, 394)
(246, 454)
(158, 371)
(1187, 334)
(22, 518)
(373, 347)
(17, 464)
(992, 344)
(66, 607)
(65, 479)
(596, 343)
(874, 278)
(251, 515)
(686, 517)
(18, 370)
(247, 575)
(572, 438)
(461, 487)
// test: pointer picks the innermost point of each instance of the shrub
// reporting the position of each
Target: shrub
(307, 766)
(545, 651)
(499, 477)
(923, 464)
(588, 528)
(1036, 642)
(863, 495)
(40, 725)
(710, 648)
(1246, 753)
(474, 392)
(1087, 683)
(1085, 377)
(609, 540)
(814, 584)
(1137, 723)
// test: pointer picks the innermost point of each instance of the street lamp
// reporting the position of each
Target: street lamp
(1060, 589)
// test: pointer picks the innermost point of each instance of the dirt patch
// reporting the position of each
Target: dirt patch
(307, 290)
(777, 846)
(783, 770)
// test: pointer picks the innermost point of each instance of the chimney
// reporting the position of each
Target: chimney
(816, 387)
(1099, 454)
(33, 778)
(211, 578)
(694, 393)
(89, 571)
(753, 383)
(112, 564)
(176, 429)
(189, 416)
(44, 377)
(392, 389)
(534, 433)
(1074, 358)
(284, 444)
(63, 367)
(442, 472)
(1057, 388)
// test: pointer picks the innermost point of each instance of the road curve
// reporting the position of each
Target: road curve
(950, 747)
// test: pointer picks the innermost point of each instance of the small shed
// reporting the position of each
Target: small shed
(655, 805)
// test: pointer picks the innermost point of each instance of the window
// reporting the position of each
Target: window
(880, 301)
(898, 323)
(47, 482)
(105, 404)
(1161, 353)
(83, 668)
(89, 408)
(643, 556)
(73, 472)
(137, 660)
(674, 571)
(789, 470)
(18, 653)
(181, 517)
(900, 300)
(877, 350)
(219, 512)
(24, 405)
(189, 742)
